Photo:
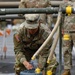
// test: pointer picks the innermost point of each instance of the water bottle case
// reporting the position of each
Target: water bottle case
(29, 72)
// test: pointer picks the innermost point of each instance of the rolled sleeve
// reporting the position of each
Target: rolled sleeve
(22, 60)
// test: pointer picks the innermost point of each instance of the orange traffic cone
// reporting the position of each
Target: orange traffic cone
(1, 33)
(8, 31)
(4, 44)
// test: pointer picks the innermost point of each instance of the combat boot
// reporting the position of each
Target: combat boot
(66, 72)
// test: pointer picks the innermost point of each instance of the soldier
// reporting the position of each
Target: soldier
(45, 18)
(68, 39)
(29, 39)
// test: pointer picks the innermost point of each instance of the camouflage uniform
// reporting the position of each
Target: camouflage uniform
(68, 41)
(45, 18)
(28, 45)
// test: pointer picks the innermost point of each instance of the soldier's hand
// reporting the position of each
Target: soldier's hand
(27, 65)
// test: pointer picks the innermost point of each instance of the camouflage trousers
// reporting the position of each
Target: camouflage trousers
(67, 50)
(41, 64)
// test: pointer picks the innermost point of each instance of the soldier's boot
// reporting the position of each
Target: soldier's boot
(66, 72)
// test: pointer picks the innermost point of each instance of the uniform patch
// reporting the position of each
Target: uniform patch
(17, 37)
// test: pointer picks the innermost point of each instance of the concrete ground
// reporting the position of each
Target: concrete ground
(7, 64)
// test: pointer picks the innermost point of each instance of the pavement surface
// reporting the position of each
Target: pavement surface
(7, 64)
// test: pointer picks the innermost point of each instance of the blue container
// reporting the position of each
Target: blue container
(29, 72)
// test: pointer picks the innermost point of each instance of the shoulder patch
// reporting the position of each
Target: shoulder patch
(17, 37)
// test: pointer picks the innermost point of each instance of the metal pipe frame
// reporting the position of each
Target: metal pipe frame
(48, 10)
(4, 11)
(5, 4)
(11, 17)
(19, 17)
(9, 4)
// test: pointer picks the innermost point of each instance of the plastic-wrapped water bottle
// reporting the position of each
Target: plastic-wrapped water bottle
(32, 71)
(34, 63)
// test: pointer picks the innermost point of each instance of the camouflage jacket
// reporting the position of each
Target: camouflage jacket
(28, 44)
(69, 21)
(44, 18)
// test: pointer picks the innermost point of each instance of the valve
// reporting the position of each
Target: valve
(66, 37)
(49, 72)
(33, 58)
(37, 70)
(69, 10)
(48, 61)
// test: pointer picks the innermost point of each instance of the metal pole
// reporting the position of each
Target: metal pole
(3, 17)
(9, 4)
(49, 10)
(5, 4)
(60, 47)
